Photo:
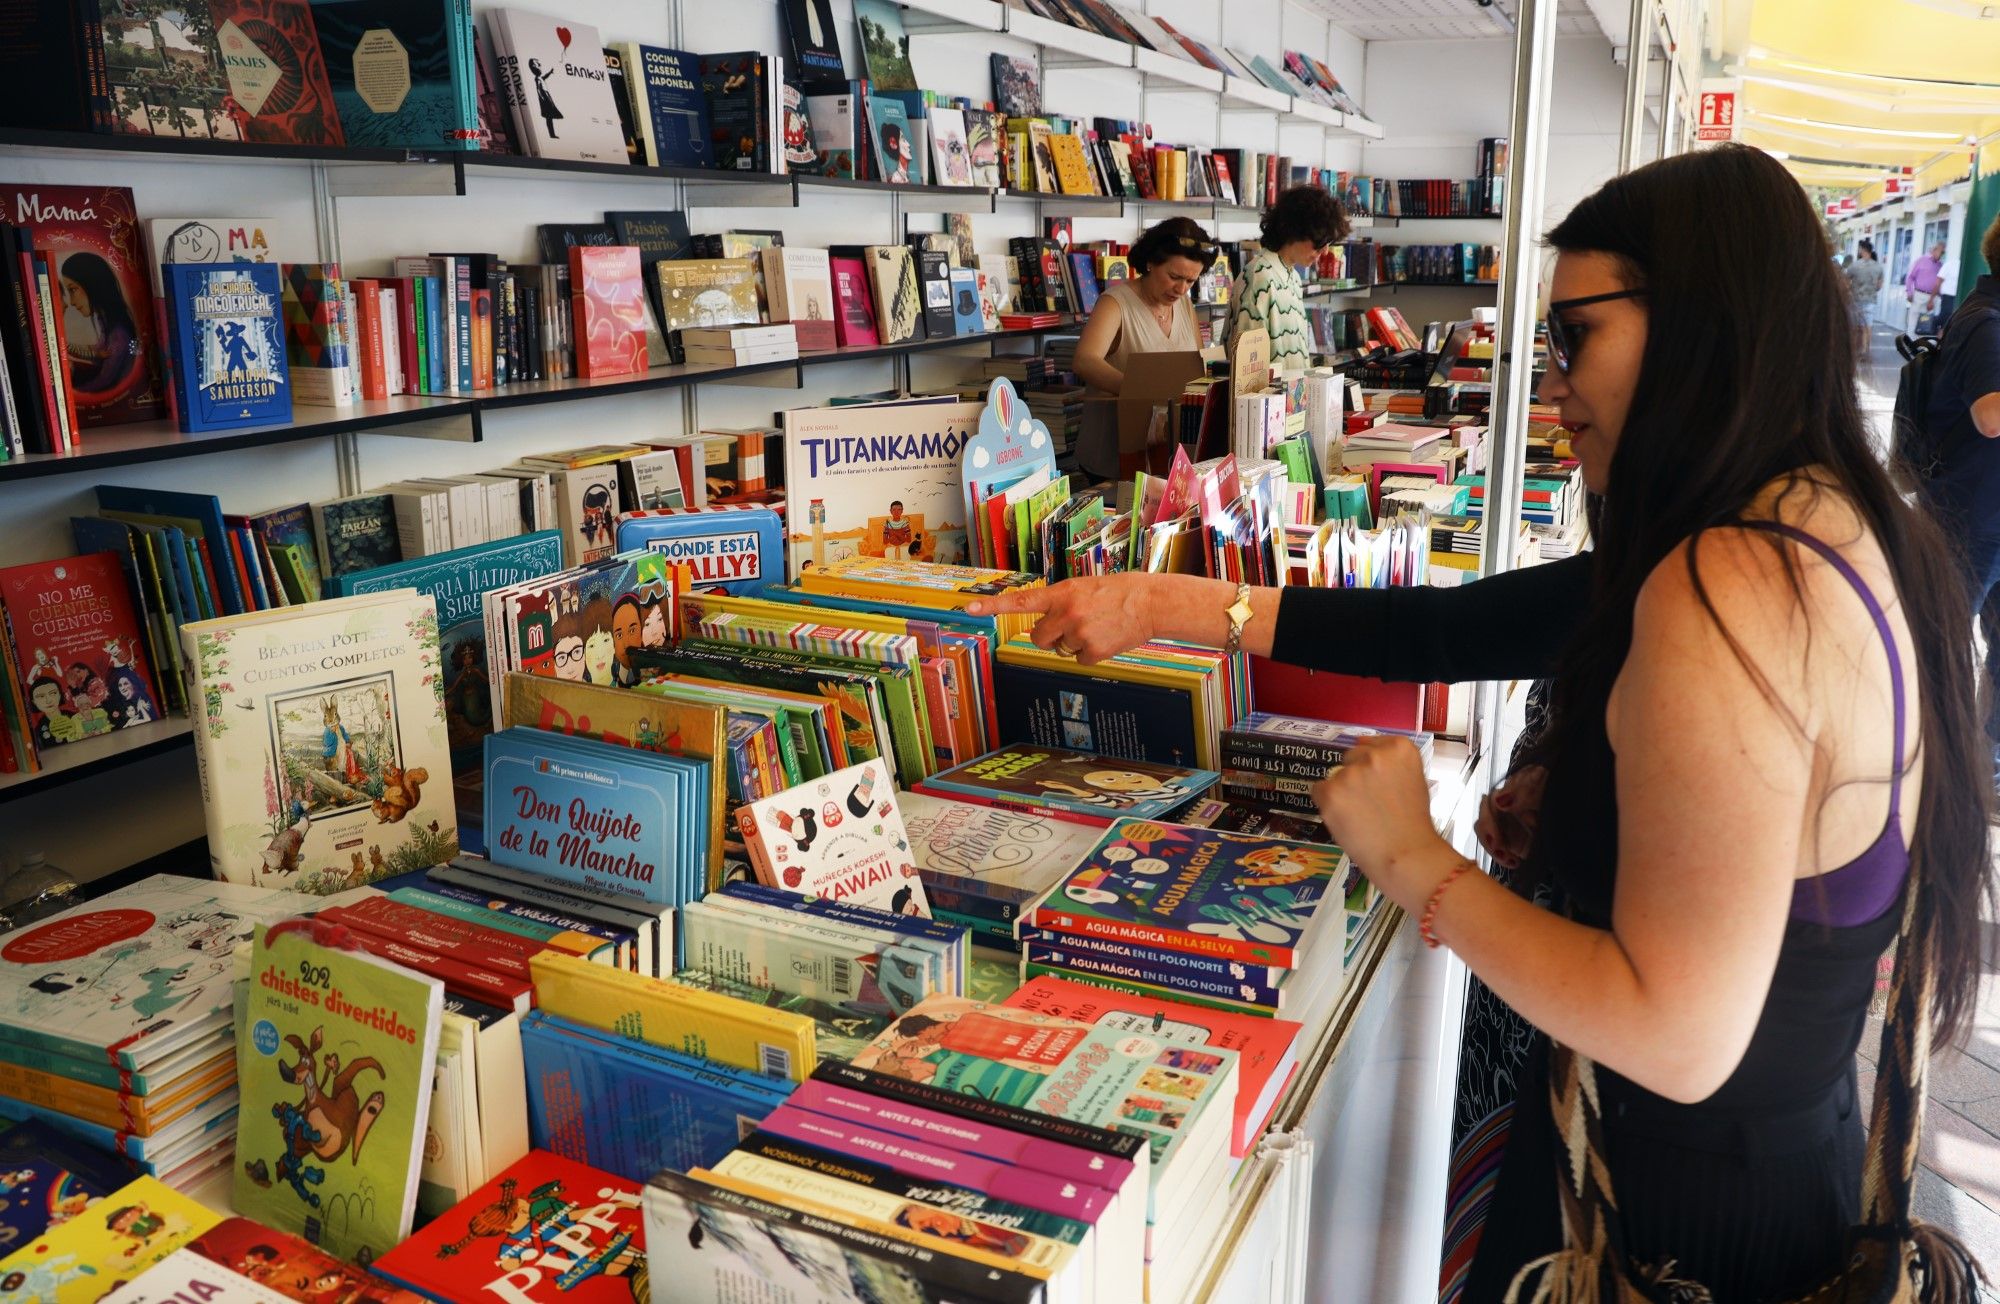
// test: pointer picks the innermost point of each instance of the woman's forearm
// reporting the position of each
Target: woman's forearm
(1099, 374)
(1195, 609)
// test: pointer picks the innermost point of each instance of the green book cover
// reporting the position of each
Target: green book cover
(334, 1054)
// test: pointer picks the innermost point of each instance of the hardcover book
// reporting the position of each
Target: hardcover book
(839, 837)
(335, 1052)
(320, 341)
(854, 317)
(52, 1178)
(393, 66)
(134, 975)
(950, 148)
(1257, 900)
(1072, 784)
(271, 63)
(81, 664)
(965, 847)
(799, 284)
(126, 1233)
(621, 97)
(877, 480)
(356, 533)
(547, 1230)
(885, 46)
(736, 85)
(899, 298)
(608, 301)
(735, 551)
(290, 1266)
(227, 323)
(678, 109)
(835, 135)
(91, 235)
(889, 139)
(705, 292)
(1017, 85)
(815, 42)
(553, 72)
(322, 742)
(982, 148)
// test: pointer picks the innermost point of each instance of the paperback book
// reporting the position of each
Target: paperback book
(1072, 785)
(78, 655)
(838, 837)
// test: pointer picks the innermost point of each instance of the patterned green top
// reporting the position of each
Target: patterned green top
(1268, 297)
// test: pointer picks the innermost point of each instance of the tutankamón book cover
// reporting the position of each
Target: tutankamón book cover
(322, 742)
(334, 1056)
(868, 478)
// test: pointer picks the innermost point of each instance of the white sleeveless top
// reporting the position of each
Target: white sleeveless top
(1139, 330)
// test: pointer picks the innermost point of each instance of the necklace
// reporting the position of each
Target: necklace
(1163, 314)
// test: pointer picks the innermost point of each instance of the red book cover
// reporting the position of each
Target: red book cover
(548, 1229)
(374, 361)
(458, 939)
(77, 649)
(293, 1267)
(406, 332)
(1266, 1049)
(92, 237)
(54, 431)
(459, 978)
(278, 88)
(608, 305)
(855, 320)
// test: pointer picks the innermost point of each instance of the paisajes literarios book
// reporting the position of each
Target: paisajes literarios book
(322, 742)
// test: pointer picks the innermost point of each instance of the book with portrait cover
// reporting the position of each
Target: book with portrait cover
(77, 652)
(394, 68)
(321, 740)
(227, 323)
(335, 1051)
(91, 235)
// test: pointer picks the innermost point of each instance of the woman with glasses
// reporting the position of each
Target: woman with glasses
(1147, 313)
(1763, 748)
(1269, 295)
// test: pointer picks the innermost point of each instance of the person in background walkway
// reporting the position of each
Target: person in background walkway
(1864, 286)
(1148, 313)
(1964, 420)
(1922, 284)
(1268, 295)
(1763, 729)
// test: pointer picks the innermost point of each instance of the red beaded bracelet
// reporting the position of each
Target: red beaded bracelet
(1431, 906)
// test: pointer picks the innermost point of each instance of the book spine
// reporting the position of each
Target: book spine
(544, 937)
(55, 431)
(462, 306)
(907, 925)
(505, 953)
(372, 360)
(967, 895)
(1020, 806)
(1289, 775)
(554, 920)
(1268, 794)
(1046, 1143)
(1084, 964)
(50, 288)
(460, 978)
(1054, 919)
(1145, 990)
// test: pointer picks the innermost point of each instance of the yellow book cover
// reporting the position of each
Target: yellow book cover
(686, 1019)
(649, 723)
(594, 455)
(107, 1245)
(142, 1115)
(1072, 169)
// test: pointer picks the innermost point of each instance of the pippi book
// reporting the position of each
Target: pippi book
(838, 837)
(113, 1241)
(322, 742)
(290, 1266)
(91, 234)
(1071, 785)
(334, 1053)
(548, 1229)
(77, 649)
(1258, 900)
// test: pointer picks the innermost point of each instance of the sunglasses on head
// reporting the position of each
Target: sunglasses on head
(1565, 340)
(1189, 242)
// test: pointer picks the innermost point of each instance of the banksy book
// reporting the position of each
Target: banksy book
(334, 1056)
(322, 743)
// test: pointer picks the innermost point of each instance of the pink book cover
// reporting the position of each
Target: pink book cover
(608, 302)
(854, 320)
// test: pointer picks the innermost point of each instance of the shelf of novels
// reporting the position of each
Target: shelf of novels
(66, 762)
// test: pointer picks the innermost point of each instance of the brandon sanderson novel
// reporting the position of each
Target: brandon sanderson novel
(228, 345)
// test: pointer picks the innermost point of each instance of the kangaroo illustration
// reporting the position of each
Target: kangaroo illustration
(338, 1117)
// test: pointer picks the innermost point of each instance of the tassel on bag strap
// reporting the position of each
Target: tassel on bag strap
(1891, 1259)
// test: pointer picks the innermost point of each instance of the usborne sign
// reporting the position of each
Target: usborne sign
(1715, 120)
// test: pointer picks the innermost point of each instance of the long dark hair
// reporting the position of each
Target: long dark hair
(100, 286)
(1747, 377)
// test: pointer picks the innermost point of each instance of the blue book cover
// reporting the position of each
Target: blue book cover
(733, 551)
(630, 1108)
(679, 108)
(177, 510)
(228, 325)
(965, 316)
(46, 1179)
(374, 46)
(458, 580)
(1112, 717)
(846, 912)
(1153, 975)
(607, 817)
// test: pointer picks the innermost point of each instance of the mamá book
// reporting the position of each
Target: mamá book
(322, 743)
(548, 1230)
(334, 1057)
(839, 837)
(77, 649)
(113, 1241)
(867, 479)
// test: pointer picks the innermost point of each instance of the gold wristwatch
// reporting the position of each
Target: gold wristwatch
(1239, 614)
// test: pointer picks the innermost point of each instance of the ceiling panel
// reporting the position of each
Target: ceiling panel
(1438, 20)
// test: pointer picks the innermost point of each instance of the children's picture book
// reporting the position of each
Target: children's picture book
(113, 1241)
(608, 303)
(290, 1266)
(548, 1229)
(322, 742)
(965, 847)
(552, 70)
(839, 837)
(885, 46)
(1056, 781)
(458, 581)
(334, 1054)
(735, 551)
(91, 235)
(209, 240)
(356, 533)
(1257, 900)
(133, 975)
(230, 365)
(50, 1179)
(876, 480)
(77, 649)
(393, 68)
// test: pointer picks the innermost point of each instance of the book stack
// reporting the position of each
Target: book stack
(1077, 787)
(118, 1031)
(1159, 702)
(739, 346)
(983, 866)
(1276, 759)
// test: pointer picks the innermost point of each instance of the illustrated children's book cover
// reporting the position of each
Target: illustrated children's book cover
(230, 367)
(1072, 784)
(1203, 891)
(322, 742)
(91, 234)
(136, 973)
(334, 1053)
(839, 837)
(876, 480)
(113, 1241)
(47, 1178)
(548, 1229)
(586, 624)
(77, 650)
(291, 1266)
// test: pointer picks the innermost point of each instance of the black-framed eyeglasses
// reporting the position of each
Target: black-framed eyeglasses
(1566, 339)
